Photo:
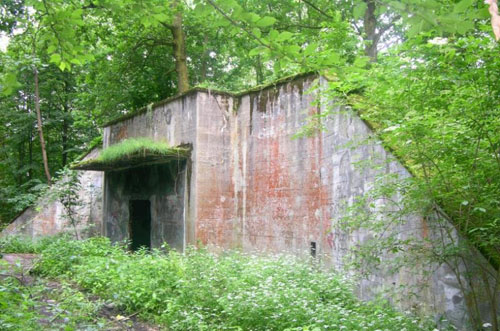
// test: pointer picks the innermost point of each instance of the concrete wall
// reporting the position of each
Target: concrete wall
(48, 218)
(172, 199)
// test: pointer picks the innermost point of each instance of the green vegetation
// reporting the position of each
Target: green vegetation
(32, 303)
(139, 146)
(18, 244)
(133, 151)
(16, 305)
(42, 306)
(233, 291)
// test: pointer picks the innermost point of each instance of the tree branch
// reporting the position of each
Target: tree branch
(317, 9)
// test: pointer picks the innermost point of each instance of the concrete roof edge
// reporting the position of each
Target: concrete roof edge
(194, 90)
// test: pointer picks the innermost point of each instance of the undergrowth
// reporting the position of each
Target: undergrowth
(233, 291)
(19, 244)
(28, 303)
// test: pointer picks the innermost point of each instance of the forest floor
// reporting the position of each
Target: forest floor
(63, 306)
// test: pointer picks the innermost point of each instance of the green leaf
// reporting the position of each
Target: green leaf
(9, 82)
(257, 51)
(55, 58)
(463, 6)
(397, 5)
(51, 49)
(310, 49)
(273, 34)
(250, 17)
(222, 22)
(415, 29)
(359, 10)
(285, 35)
(265, 21)
(257, 32)
(146, 21)
(292, 50)
(64, 65)
(361, 62)
(161, 17)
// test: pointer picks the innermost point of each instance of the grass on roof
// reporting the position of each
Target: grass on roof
(137, 146)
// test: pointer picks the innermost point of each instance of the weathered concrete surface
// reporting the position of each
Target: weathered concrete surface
(51, 219)
(172, 213)
(259, 189)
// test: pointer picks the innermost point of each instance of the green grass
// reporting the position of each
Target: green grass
(138, 146)
(233, 291)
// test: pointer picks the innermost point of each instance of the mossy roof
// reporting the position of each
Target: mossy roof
(134, 152)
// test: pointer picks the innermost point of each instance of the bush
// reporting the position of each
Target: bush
(199, 290)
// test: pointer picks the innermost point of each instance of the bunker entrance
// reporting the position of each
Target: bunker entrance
(140, 224)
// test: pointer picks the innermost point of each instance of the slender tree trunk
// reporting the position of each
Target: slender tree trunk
(30, 171)
(64, 154)
(205, 59)
(65, 125)
(30, 142)
(21, 162)
(179, 51)
(40, 129)
(370, 26)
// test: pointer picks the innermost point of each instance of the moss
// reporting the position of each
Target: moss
(133, 152)
(134, 146)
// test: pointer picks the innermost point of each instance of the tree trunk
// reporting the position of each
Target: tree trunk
(64, 155)
(65, 125)
(205, 59)
(40, 129)
(370, 26)
(179, 51)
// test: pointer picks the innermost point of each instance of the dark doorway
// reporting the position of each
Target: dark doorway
(140, 224)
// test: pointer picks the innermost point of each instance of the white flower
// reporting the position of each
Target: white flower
(438, 41)
(486, 325)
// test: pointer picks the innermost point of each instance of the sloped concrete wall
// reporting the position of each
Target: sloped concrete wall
(51, 219)
(259, 189)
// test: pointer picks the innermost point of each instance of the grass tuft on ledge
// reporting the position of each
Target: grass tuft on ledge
(137, 146)
(134, 152)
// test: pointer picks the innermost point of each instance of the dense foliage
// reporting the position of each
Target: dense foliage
(437, 106)
(202, 291)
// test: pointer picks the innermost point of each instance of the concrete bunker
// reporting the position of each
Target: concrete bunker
(232, 177)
